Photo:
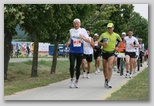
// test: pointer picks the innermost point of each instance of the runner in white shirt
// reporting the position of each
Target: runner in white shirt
(131, 44)
(136, 58)
(87, 56)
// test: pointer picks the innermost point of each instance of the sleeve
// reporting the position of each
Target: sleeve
(85, 34)
(136, 41)
(119, 38)
(101, 38)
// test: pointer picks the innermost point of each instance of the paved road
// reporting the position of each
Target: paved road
(90, 89)
(27, 59)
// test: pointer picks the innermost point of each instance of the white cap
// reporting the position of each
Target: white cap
(76, 20)
(124, 33)
(96, 34)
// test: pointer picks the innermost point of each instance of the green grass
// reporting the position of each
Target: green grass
(20, 79)
(135, 89)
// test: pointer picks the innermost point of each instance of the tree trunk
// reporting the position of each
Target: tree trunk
(7, 49)
(35, 57)
(54, 61)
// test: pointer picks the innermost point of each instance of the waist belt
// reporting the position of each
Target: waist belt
(108, 51)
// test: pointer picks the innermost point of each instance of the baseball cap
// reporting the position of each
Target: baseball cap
(76, 20)
(124, 33)
(96, 34)
(110, 25)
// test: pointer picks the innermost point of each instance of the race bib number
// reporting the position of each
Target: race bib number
(77, 43)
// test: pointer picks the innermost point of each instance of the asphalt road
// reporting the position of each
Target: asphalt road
(90, 89)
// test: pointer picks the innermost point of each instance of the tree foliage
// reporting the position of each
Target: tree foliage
(51, 23)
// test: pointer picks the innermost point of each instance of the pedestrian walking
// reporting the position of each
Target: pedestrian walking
(108, 41)
(77, 36)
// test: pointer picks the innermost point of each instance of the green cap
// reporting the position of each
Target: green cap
(110, 25)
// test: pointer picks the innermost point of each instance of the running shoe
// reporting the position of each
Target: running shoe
(115, 68)
(71, 84)
(98, 70)
(127, 75)
(130, 76)
(88, 75)
(76, 84)
(134, 71)
(106, 84)
(109, 85)
(84, 74)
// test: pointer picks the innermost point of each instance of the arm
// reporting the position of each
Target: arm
(92, 43)
(100, 41)
(68, 42)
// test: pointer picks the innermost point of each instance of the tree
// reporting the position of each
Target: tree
(33, 25)
(58, 23)
(139, 26)
(12, 17)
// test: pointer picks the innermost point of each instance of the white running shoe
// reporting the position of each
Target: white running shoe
(88, 75)
(127, 75)
(106, 84)
(109, 85)
(130, 76)
(115, 68)
(76, 84)
(71, 84)
(134, 71)
(84, 74)
(98, 70)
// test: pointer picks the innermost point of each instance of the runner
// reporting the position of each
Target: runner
(131, 44)
(97, 53)
(77, 36)
(87, 56)
(146, 55)
(141, 51)
(136, 58)
(108, 41)
(121, 49)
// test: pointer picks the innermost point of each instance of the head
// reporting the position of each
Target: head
(88, 32)
(76, 23)
(140, 40)
(123, 35)
(110, 27)
(96, 36)
(130, 32)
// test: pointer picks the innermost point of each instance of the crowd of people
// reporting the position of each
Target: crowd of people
(106, 46)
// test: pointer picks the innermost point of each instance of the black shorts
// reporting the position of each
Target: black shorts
(96, 55)
(88, 57)
(131, 54)
(106, 55)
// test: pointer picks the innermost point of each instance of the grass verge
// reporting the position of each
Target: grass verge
(135, 89)
(19, 75)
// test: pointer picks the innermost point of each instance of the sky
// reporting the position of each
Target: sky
(142, 9)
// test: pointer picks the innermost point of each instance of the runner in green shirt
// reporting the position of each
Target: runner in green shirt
(108, 41)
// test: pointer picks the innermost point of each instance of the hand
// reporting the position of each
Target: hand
(105, 43)
(116, 49)
(67, 44)
(81, 36)
(132, 44)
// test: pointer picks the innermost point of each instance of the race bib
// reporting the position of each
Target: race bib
(76, 43)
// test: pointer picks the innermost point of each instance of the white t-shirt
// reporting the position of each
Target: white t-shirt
(142, 47)
(76, 45)
(87, 47)
(129, 41)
